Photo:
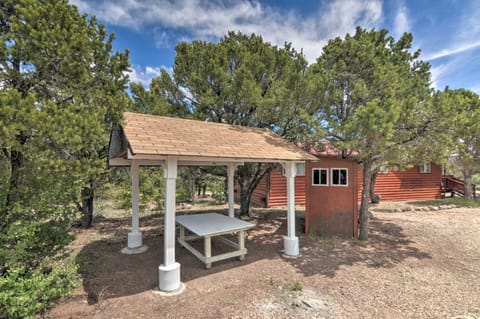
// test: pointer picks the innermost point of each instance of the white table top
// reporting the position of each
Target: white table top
(211, 224)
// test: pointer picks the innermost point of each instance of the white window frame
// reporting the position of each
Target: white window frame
(297, 165)
(383, 169)
(320, 169)
(425, 168)
(296, 170)
(331, 174)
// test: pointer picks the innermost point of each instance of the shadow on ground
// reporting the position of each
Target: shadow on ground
(386, 247)
(107, 273)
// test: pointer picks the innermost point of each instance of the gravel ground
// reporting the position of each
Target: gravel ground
(415, 265)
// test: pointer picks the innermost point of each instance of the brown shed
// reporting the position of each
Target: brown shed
(331, 207)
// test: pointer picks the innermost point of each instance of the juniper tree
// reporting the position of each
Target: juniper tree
(376, 95)
(62, 86)
(462, 116)
(246, 81)
(64, 61)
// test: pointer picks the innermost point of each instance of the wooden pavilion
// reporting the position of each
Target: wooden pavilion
(148, 140)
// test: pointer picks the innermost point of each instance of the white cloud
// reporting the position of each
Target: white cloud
(465, 33)
(212, 19)
(455, 63)
(342, 16)
(401, 23)
(452, 51)
(438, 73)
(476, 89)
(145, 75)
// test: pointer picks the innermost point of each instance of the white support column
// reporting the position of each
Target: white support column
(290, 242)
(231, 186)
(169, 271)
(135, 236)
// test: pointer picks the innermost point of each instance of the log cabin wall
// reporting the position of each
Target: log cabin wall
(407, 184)
(277, 191)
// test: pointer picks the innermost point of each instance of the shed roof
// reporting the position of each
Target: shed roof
(151, 135)
(323, 148)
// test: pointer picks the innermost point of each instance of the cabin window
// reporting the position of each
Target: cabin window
(383, 169)
(425, 168)
(300, 169)
(339, 177)
(320, 177)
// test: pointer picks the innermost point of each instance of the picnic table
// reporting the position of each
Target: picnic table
(211, 225)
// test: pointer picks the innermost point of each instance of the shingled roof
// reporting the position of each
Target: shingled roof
(159, 136)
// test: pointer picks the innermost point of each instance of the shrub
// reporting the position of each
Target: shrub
(23, 294)
(217, 186)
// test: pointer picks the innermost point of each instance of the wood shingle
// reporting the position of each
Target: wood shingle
(166, 136)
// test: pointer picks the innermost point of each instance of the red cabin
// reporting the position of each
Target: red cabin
(421, 182)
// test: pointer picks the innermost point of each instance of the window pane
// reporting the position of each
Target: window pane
(323, 179)
(425, 168)
(343, 177)
(316, 177)
(300, 169)
(335, 177)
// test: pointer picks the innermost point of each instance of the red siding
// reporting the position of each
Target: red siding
(406, 185)
(277, 195)
(393, 186)
(332, 210)
(259, 196)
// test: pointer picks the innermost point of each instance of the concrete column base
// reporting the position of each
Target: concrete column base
(291, 246)
(134, 239)
(169, 277)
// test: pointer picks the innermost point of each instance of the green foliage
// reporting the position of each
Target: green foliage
(25, 293)
(61, 89)
(216, 184)
(152, 186)
(297, 286)
(183, 194)
(461, 110)
(476, 180)
(64, 88)
(375, 91)
(151, 182)
(240, 80)
(161, 98)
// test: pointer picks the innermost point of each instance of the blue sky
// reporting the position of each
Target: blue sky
(447, 31)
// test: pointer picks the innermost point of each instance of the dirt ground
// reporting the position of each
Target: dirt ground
(415, 265)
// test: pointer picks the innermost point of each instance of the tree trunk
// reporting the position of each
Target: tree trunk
(467, 178)
(248, 176)
(16, 177)
(245, 200)
(16, 157)
(373, 180)
(363, 213)
(87, 206)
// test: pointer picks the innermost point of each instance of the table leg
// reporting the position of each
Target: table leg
(208, 251)
(181, 237)
(182, 232)
(241, 243)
